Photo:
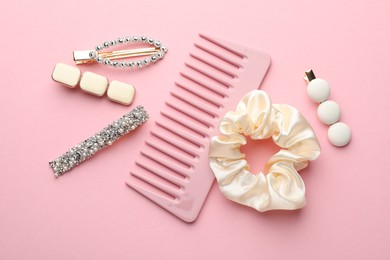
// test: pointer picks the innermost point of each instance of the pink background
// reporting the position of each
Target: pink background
(91, 214)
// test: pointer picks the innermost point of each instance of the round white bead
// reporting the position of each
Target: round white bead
(339, 134)
(318, 90)
(328, 112)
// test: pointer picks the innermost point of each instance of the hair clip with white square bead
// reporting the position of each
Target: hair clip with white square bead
(94, 84)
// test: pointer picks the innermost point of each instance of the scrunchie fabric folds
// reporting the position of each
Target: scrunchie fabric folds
(281, 187)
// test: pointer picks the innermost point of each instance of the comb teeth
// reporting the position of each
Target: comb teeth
(172, 169)
(215, 99)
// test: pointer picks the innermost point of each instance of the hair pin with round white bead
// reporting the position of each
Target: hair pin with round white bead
(153, 53)
(339, 133)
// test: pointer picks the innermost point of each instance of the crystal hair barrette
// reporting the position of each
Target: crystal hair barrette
(105, 137)
(156, 52)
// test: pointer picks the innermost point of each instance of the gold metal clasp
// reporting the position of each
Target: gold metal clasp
(309, 75)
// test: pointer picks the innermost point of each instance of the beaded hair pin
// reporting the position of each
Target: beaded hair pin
(339, 133)
(156, 52)
(105, 137)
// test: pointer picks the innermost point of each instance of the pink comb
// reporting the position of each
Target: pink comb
(173, 167)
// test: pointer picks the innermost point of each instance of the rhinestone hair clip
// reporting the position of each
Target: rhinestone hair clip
(156, 52)
(105, 137)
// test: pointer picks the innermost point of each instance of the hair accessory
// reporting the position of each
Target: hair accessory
(172, 168)
(66, 75)
(156, 53)
(281, 187)
(339, 134)
(97, 142)
(94, 84)
(121, 92)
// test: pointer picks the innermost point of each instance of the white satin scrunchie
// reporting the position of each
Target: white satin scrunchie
(281, 187)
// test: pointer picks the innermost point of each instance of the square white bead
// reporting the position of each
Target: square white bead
(66, 75)
(121, 92)
(93, 83)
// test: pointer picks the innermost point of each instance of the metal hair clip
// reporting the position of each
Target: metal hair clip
(156, 53)
(86, 149)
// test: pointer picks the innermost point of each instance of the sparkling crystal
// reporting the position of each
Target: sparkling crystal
(92, 54)
(157, 43)
(77, 156)
(164, 48)
(112, 135)
(104, 135)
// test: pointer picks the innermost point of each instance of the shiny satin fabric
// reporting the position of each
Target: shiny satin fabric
(281, 187)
